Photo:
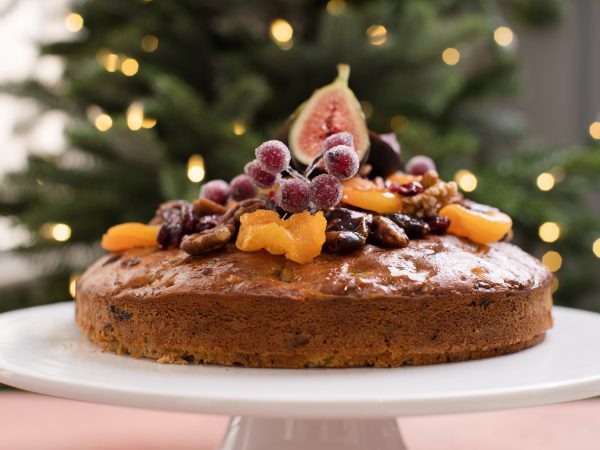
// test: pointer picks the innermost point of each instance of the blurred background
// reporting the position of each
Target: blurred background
(108, 107)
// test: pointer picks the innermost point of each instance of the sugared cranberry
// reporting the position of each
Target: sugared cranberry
(418, 165)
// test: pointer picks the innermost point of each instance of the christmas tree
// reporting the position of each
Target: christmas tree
(162, 95)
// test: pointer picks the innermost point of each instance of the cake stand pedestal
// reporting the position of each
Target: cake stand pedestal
(41, 350)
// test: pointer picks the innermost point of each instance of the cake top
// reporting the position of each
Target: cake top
(436, 265)
(337, 188)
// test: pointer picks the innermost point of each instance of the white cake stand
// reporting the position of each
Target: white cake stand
(41, 350)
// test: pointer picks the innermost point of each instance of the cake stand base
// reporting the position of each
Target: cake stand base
(247, 433)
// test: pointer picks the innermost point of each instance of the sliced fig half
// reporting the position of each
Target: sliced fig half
(331, 109)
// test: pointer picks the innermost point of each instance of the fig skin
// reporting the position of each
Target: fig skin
(384, 159)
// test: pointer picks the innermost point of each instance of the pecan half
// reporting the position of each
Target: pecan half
(205, 207)
(206, 241)
(386, 233)
(412, 226)
(245, 206)
(344, 241)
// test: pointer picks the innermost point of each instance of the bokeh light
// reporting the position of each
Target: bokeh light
(549, 231)
(552, 260)
(103, 122)
(195, 169)
(451, 56)
(503, 36)
(466, 180)
(399, 124)
(336, 7)
(129, 67)
(239, 127)
(149, 43)
(377, 34)
(545, 181)
(73, 22)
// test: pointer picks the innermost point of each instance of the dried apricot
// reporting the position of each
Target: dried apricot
(401, 178)
(300, 238)
(481, 224)
(129, 235)
(367, 195)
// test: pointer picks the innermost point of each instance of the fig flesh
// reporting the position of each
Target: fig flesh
(331, 109)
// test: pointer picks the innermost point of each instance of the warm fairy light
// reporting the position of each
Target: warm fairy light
(129, 67)
(451, 56)
(195, 170)
(367, 108)
(377, 34)
(103, 122)
(336, 7)
(60, 232)
(281, 31)
(74, 22)
(552, 260)
(111, 62)
(549, 231)
(239, 127)
(399, 124)
(554, 285)
(135, 116)
(149, 43)
(595, 130)
(148, 122)
(596, 247)
(73, 284)
(503, 36)
(466, 180)
(545, 181)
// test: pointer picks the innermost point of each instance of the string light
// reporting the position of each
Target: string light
(149, 43)
(399, 124)
(195, 170)
(503, 36)
(451, 56)
(282, 33)
(596, 247)
(239, 127)
(60, 232)
(595, 130)
(377, 34)
(367, 108)
(336, 7)
(466, 180)
(129, 67)
(73, 284)
(552, 260)
(135, 116)
(549, 232)
(111, 62)
(103, 122)
(554, 285)
(148, 122)
(545, 181)
(73, 22)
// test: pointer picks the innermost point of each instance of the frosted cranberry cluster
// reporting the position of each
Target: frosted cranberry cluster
(296, 191)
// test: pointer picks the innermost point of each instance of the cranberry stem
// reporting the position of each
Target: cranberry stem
(313, 165)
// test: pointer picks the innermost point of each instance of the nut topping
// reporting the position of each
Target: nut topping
(386, 233)
(215, 238)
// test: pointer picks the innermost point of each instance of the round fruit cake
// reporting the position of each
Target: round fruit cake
(329, 253)
(440, 299)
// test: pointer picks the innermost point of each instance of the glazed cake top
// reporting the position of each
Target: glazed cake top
(437, 265)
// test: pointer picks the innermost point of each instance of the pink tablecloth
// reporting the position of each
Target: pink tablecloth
(32, 422)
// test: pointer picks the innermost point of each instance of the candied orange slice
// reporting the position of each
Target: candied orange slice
(367, 195)
(300, 238)
(481, 224)
(129, 235)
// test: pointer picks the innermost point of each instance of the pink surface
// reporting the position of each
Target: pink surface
(35, 422)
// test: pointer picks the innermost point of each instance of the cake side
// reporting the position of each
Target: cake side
(442, 299)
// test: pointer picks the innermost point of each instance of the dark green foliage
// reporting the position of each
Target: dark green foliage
(215, 64)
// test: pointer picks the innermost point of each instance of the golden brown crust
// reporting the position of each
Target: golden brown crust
(439, 299)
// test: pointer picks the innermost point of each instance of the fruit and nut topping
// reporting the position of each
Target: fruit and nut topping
(338, 187)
